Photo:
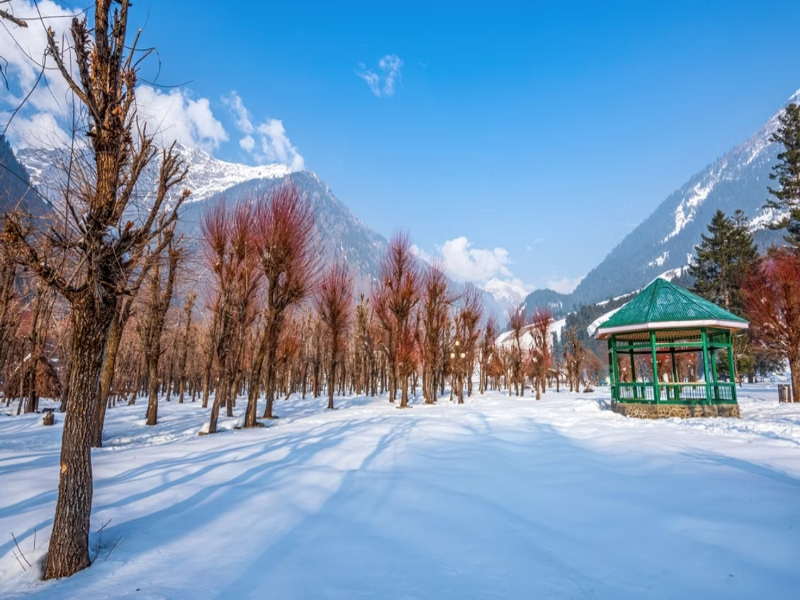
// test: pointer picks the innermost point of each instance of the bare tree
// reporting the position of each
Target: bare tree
(105, 246)
(185, 340)
(434, 315)
(334, 301)
(289, 260)
(231, 255)
(541, 320)
(487, 351)
(151, 323)
(394, 300)
(516, 322)
(574, 356)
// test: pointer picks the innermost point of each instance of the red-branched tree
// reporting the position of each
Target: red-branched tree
(541, 358)
(394, 300)
(772, 301)
(434, 317)
(334, 303)
(289, 262)
(516, 323)
(231, 256)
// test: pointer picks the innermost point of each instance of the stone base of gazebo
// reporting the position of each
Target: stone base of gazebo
(668, 411)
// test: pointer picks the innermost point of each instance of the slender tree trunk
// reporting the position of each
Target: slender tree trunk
(794, 367)
(272, 347)
(107, 378)
(152, 400)
(219, 397)
(255, 383)
(331, 384)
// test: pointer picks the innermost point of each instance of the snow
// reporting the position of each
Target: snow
(502, 497)
(687, 208)
(526, 340)
(208, 175)
(510, 293)
(594, 325)
(659, 260)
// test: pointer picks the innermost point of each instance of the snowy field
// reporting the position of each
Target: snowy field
(499, 498)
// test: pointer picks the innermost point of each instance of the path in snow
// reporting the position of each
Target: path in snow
(500, 498)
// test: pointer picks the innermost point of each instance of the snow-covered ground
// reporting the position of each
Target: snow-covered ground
(500, 498)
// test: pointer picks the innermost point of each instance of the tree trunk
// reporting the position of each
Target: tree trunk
(331, 384)
(794, 367)
(219, 397)
(107, 379)
(69, 542)
(272, 347)
(255, 383)
(152, 400)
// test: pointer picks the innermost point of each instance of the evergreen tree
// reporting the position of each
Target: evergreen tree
(786, 172)
(724, 260)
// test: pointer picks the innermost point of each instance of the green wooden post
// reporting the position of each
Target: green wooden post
(714, 371)
(731, 366)
(613, 367)
(676, 389)
(706, 372)
(633, 375)
(656, 391)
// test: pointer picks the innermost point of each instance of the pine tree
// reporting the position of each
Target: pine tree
(724, 260)
(786, 172)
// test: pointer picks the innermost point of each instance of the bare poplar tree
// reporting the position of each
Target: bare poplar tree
(150, 325)
(334, 301)
(185, 340)
(284, 225)
(104, 244)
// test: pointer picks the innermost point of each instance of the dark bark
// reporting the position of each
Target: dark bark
(69, 541)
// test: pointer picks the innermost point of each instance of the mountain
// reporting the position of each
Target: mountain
(502, 296)
(342, 236)
(665, 241)
(15, 184)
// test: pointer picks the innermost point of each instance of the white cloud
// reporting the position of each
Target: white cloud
(46, 116)
(563, 285)
(40, 130)
(23, 53)
(273, 145)
(464, 262)
(382, 82)
(426, 256)
(175, 115)
(247, 143)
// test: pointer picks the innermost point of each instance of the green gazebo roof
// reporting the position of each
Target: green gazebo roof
(664, 305)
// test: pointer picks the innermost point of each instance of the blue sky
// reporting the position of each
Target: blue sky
(548, 130)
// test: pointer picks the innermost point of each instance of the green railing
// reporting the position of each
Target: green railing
(675, 393)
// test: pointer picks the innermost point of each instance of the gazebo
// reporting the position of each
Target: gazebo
(658, 345)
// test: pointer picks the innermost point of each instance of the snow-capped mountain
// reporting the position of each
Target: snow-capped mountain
(209, 176)
(341, 235)
(506, 295)
(665, 241)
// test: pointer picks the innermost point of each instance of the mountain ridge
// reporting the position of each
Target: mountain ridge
(665, 240)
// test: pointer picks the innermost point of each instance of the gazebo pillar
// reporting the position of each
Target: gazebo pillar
(656, 391)
(731, 366)
(706, 371)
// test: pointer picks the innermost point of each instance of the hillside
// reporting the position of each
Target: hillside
(666, 239)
